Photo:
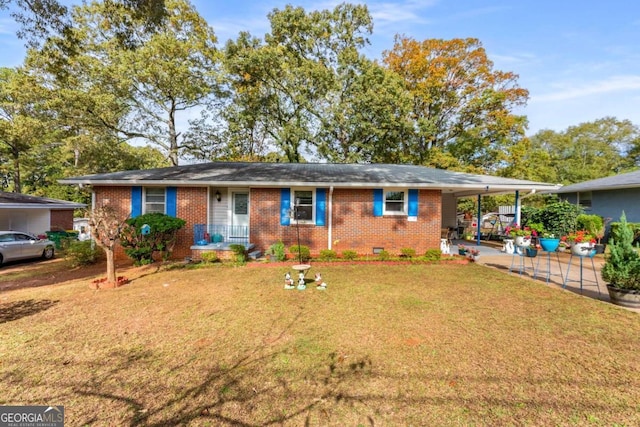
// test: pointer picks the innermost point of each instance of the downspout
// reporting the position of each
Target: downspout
(330, 233)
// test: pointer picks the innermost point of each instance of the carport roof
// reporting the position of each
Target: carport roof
(24, 201)
(313, 175)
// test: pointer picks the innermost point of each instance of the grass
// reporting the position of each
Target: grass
(383, 345)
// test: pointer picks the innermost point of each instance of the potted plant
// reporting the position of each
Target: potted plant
(582, 243)
(276, 252)
(520, 235)
(621, 269)
(473, 254)
(594, 225)
(547, 240)
(462, 250)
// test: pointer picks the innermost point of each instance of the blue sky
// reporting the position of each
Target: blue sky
(580, 60)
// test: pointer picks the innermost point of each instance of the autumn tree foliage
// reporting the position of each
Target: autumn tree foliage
(461, 106)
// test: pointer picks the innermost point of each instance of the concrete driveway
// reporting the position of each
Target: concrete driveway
(575, 274)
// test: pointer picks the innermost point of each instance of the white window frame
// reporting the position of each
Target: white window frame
(145, 203)
(405, 201)
(314, 202)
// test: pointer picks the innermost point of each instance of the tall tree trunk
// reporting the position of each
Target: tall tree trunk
(17, 182)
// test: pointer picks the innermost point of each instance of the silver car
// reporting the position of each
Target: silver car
(15, 245)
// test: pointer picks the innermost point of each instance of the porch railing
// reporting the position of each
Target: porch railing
(221, 233)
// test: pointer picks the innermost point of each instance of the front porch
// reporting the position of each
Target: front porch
(219, 238)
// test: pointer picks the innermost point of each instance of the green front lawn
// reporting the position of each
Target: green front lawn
(383, 345)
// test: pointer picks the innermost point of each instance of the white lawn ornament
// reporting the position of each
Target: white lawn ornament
(301, 285)
(288, 281)
(445, 247)
(508, 246)
(320, 285)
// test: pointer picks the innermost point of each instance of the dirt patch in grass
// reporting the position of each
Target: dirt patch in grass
(383, 345)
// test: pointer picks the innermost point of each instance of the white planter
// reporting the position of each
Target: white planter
(523, 241)
(583, 249)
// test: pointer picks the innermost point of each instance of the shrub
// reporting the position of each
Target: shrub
(328, 255)
(240, 253)
(594, 224)
(301, 252)
(559, 218)
(209, 257)
(408, 252)
(433, 255)
(277, 250)
(146, 234)
(81, 253)
(622, 264)
(383, 255)
(349, 254)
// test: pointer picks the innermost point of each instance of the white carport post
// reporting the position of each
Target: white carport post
(516, 216)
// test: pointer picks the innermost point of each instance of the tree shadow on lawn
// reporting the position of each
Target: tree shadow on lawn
(229, 395)
(17, 310)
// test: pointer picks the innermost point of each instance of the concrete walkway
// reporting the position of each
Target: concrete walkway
(550, 268)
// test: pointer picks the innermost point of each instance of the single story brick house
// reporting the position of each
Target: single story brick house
(607, 197)
(35, 215)
(359, 207)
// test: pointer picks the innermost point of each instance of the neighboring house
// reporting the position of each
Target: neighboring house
(607, 197)
(360, 207)
(35, 215)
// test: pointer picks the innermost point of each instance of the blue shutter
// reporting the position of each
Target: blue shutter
(136, 201)
(321, 206)
(285, 205)
(378, 202)
(172, 201)
(413, 203)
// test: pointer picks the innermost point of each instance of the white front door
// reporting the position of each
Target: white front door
(240, 208)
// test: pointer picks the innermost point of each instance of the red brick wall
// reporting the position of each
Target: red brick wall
(61, 220)
(354, 226)
(192, 207)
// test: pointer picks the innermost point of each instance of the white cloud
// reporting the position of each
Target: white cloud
(569, 91)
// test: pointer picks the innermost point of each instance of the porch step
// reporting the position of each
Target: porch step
(255, 254)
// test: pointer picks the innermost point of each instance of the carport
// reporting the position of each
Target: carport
(35, 215)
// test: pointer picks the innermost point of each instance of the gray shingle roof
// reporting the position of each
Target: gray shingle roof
(308, 174)
(17, 200)
(625, 180)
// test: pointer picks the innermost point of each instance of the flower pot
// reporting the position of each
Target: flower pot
(583, 249)
(548, 244)
(629, 298)
(462, 252)
(599, 248)
(523, 241)
(530, 252)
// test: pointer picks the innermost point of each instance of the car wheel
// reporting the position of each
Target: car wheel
(48, 252)
(1, 260)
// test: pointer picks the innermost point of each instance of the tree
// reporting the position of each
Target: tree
(23, 123)
(42, 18)
(584, 152)
(283, 87)
(146, 234)
(461, 106)
(106, 224)
(135, 90)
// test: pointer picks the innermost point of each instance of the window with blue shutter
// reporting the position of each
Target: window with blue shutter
(321, 206)
(172, 201)
(285, 206)
(136, 201)
(378, 202)
(413, 203)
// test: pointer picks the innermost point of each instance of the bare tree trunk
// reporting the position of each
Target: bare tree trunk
(111, 267)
